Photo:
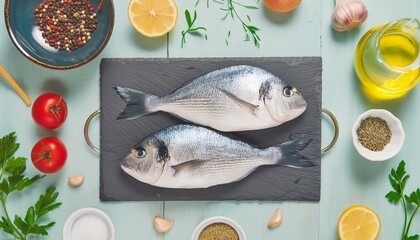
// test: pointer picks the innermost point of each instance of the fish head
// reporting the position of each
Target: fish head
(146, 161)
(282, 101)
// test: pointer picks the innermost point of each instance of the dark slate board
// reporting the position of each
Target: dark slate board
(162, 76)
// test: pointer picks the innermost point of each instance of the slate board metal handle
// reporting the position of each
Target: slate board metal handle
(323, 151)
(336, 131)
(86, 131)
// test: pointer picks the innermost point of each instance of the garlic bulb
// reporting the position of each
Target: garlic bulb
(282, 5)
(348, 14)
(162, 225)
(275, 219)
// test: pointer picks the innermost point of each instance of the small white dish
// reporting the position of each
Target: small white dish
(397, 136)
(78, 215)
(218, 219)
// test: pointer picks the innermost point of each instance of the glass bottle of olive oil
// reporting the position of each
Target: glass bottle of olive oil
(387, 59)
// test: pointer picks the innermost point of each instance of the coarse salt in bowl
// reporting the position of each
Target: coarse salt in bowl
(88, 224)
(218, 219)
(397, 136)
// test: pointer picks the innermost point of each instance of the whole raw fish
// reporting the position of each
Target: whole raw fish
(187, 156)
(237, 98)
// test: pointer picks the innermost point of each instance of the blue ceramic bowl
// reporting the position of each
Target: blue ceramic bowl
(21, 25)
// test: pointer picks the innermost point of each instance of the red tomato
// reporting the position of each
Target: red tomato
(49, 155)
(49, 111)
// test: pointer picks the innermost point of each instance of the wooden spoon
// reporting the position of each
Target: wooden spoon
(15, 85)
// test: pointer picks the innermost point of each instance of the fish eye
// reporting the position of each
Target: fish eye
(287, 92)
(140, 153)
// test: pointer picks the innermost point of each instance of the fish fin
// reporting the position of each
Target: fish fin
(137, 102)
(187, 166)
(249, 107)
(290, 153)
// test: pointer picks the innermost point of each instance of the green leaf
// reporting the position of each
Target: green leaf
(415, 237)
(30, 216)
(418, 193)
(407, 198)
(393, 197)
(26, 182)
(8, 147)
(413, 198)
(195, 17)
(6, 226)
(188, 17)
(16, 166)
(250, 7)
(19, 223)
(197, 29)
(42, 229)
(404, 181)
(4, 187)
(394, 184)
(401, 170)
(46, 202)
(253, 28)
(14, 180)
(394, 174)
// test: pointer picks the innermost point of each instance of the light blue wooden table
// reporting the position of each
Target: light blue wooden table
(347, 178)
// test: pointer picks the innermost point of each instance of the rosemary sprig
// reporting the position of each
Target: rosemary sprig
(191, 29)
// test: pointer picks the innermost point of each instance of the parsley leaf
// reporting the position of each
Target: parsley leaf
(398, 179)
(13, 179)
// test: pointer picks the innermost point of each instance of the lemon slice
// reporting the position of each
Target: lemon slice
(153, 18)
(359, 223)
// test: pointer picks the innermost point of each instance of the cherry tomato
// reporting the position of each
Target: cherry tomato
(49, 155)
(49, 110)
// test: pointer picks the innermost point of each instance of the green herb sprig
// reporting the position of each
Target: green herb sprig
(230, 10)
(249, 29)
(191, 29)
(398, 179)
(12, 179)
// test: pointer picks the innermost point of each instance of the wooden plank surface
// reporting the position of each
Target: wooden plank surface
(347, 179)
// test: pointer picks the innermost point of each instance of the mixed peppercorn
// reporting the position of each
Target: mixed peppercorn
(66, 24)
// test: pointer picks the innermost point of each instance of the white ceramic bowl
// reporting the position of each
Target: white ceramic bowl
(218, 219)
(397, 137)
(68, 226)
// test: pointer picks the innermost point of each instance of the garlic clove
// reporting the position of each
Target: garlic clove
(275, 219)
(348, 14)
(162, 225)
(76, 181)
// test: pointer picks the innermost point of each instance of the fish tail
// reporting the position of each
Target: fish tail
(290, 153)
(137, 102)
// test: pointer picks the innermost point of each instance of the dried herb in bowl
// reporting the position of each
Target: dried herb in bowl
(66, 24)
(374, 133)
(218, 231)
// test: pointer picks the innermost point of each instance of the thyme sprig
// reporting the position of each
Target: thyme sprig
(191, 29)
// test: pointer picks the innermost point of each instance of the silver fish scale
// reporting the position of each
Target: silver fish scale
(198, 143)
(203, 96)
(189, 156)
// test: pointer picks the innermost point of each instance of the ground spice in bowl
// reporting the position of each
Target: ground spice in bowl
(218, 231)
(66, 24)
(374, 133)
